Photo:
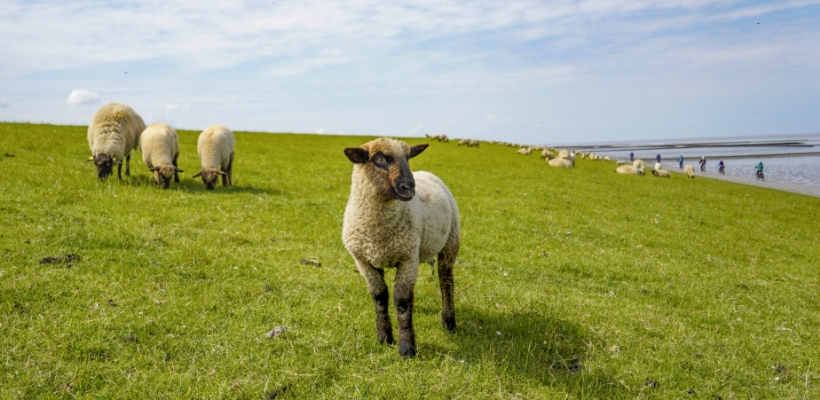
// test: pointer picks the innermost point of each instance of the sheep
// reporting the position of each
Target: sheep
(658, 166)
(561, 163)
(661, 173)
(464, 142)
(524, 151)
(396, 218)
(473, 143)
(215, 148)
(563, 154)
(547, 155)
(629, 170)
(638, 163)
(159, 144)
(113, 132)
(622, 162)
(606, 158)
(689, 170)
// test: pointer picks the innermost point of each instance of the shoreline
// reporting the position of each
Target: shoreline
(784, 186)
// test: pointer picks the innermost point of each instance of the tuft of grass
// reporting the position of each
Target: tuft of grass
(574, 283)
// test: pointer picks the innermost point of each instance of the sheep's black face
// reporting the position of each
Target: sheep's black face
(209, 178)
(105, 165)
(386, 164)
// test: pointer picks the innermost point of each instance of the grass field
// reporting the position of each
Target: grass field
(573, 283)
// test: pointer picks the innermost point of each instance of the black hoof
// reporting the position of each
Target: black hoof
(386, 339)
(407, 350)
(449, 324)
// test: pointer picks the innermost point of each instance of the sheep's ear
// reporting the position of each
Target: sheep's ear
(154, 169)
(417, 149)
(357, 155)
(197, 174)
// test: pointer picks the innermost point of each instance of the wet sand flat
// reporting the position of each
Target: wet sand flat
(788, 187)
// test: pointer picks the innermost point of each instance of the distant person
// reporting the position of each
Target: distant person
(721, 167)
(631, 156)
(658, 157)
(680, 161)
(702, 163)
(759, 168)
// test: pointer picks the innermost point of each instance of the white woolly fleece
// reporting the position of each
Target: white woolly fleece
(159, 144)
(215, 146)
(115, 131)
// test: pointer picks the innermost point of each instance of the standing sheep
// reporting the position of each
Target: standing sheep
(159, 144)
(215, 149)
(547, 155)
(464, 142)
(112, 134)
(396, 219)
(689, 170)
(473, 143)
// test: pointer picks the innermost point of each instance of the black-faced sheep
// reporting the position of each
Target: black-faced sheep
(112, 134)
(396, 218)
(215, 147)
(159, 144)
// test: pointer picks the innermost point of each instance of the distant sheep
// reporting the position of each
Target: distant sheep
(629, 170)
(396, 218)
(561, 163)
(661, 173)
(216, 150)
(112, 134)
(547, 155)
(443, 138)
(464, 142)
(159, 144)
(473, 143)
(606, 158)
(689, 170)
(524, 151)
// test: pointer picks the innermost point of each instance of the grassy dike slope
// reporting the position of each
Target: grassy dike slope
(575, 282)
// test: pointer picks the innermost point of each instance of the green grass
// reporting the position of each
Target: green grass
(576, 283)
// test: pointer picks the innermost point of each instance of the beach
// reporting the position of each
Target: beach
(785, 186)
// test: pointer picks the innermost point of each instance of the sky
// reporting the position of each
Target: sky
(536, 72)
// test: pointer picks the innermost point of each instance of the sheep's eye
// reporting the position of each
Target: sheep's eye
(382, 161)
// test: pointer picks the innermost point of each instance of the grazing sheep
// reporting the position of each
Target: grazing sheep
(561, 163)
(547, 155)
(629, 170)
(396, 219)
(443, 138)
(464, 142)
(661, 173)
(689, 170)
(606, 158)
(638, 163)
(112, 134)
(524, 151)
(215, 148)
(159, 144)
(473, 143)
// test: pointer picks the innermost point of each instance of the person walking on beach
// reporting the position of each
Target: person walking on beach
(721, 167)
(631, 156)
(658, 157)
(702, 163)
(680, 161)
(759, 168)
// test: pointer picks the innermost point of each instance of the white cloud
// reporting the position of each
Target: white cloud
(81, 97)
(174, 108)
(3, 102)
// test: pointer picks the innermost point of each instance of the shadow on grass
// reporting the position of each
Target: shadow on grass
(532, 346)
(195, 186)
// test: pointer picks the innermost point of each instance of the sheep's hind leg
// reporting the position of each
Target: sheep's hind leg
(403, 299)
(381, 299)
(128, 165)
(230, 171)
(176, 173)
(446, 260)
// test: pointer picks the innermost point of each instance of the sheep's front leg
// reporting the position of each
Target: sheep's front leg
(403, 299)
(446, 260)
(381, 299)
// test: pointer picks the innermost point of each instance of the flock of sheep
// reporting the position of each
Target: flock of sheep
(116, 129)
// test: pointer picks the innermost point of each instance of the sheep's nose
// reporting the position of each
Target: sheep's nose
(406, 189)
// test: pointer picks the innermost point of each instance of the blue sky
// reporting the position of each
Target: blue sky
(528, 71)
